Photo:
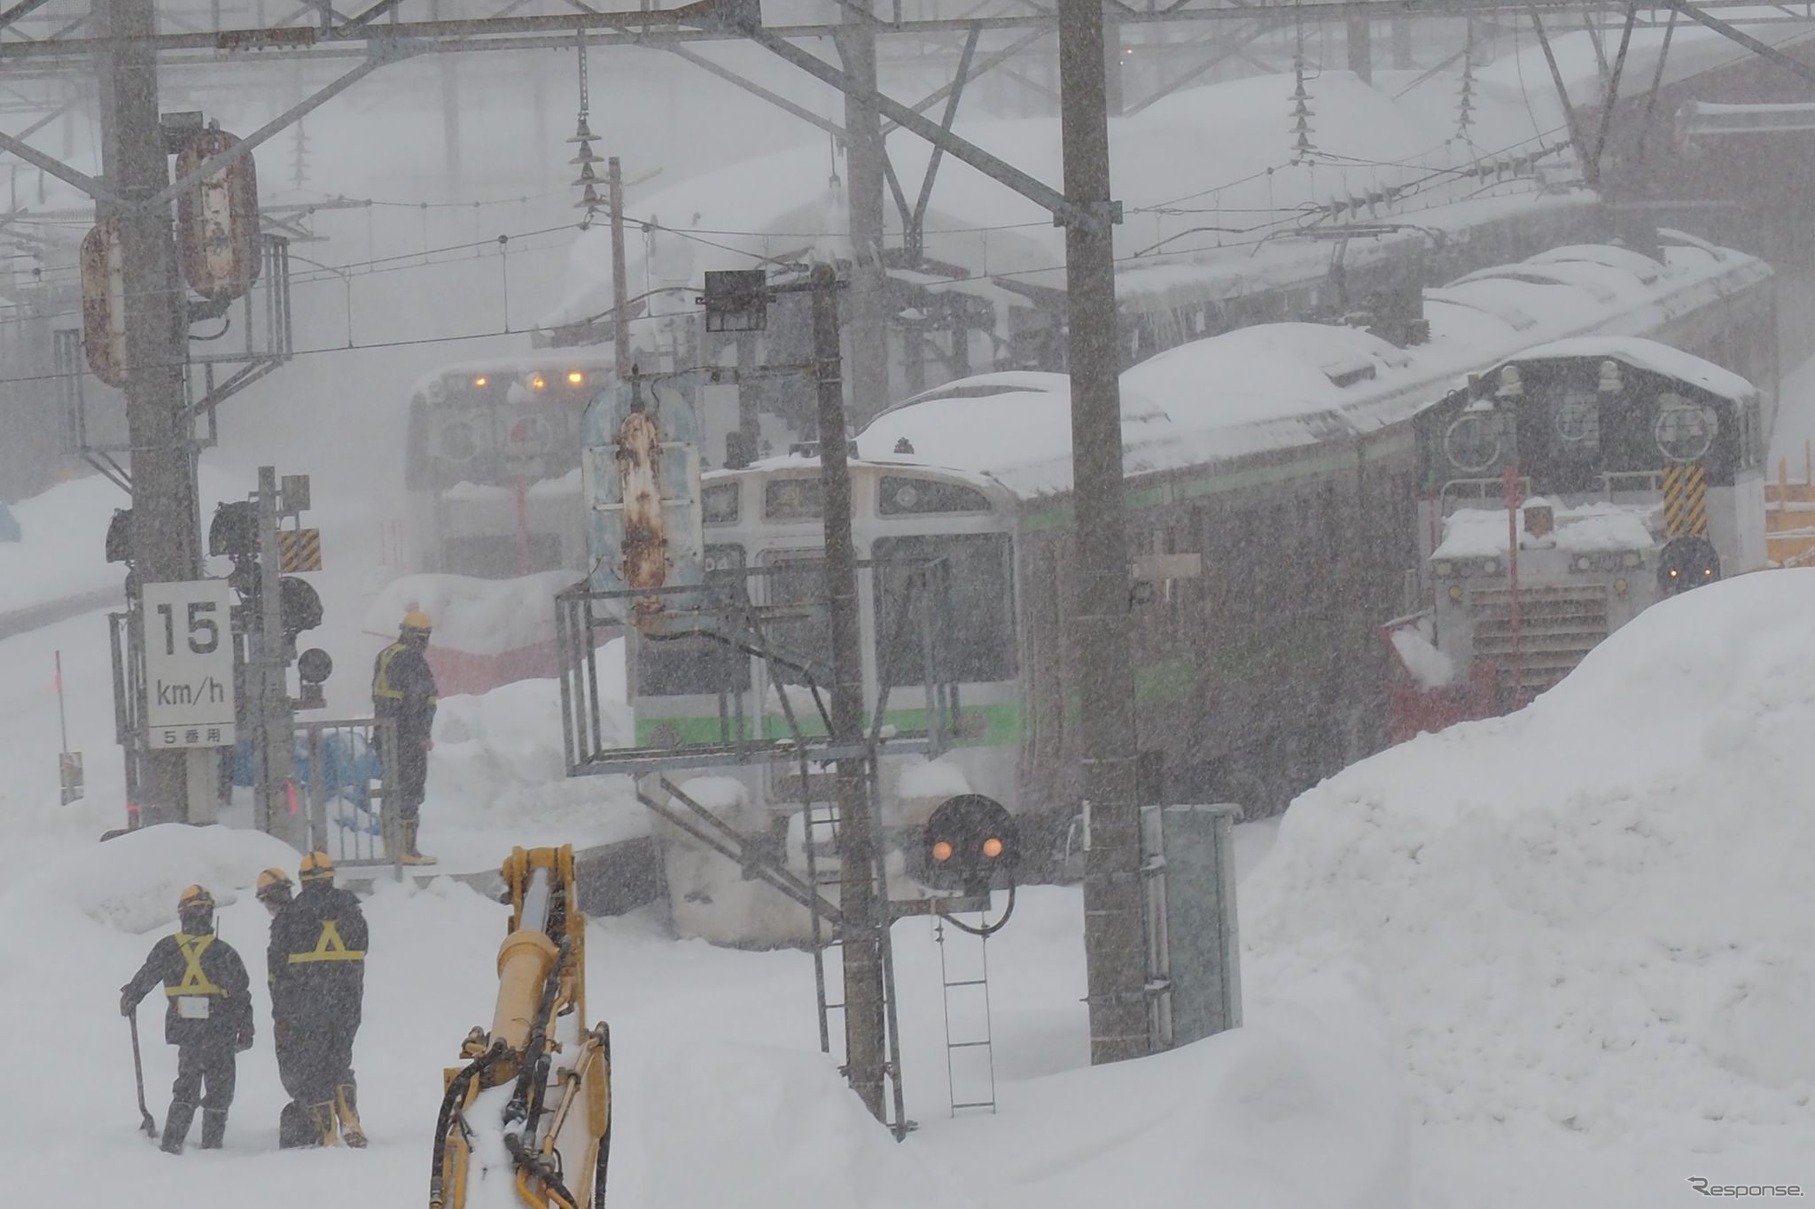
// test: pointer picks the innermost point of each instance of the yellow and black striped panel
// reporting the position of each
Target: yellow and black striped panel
(1686, 500)
(300, 549)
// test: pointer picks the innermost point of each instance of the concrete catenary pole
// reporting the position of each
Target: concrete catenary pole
(865, 300)
(276, 746)
(862, 949)
(166, 545)
(1115, 944)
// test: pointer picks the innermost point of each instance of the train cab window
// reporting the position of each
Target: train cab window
(907, 497)
(720, 504)
(793, 499)
(1474, 441)
(695, 664)
(799, 624)
(1684, 430)
(976, 635)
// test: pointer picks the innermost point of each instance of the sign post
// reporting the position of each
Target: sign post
(188, 645)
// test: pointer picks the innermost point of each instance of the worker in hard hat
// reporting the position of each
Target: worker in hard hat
(318, 959)
(403, 694)
(277, 891)
(208, 1017)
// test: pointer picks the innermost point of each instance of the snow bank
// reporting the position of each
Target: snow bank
(498, 771)
(132, 882)
(1300, 1107)
(1591, 920)
(477, 616)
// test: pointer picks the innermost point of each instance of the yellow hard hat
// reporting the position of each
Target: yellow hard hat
(194, 898)
(317, 866)
(273, 883)
(415, 619)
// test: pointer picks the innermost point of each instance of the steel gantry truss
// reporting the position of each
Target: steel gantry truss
(386, 32)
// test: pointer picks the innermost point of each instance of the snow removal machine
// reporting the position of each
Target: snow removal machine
(526, 1122)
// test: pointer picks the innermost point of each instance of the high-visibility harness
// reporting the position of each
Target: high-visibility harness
(329, 947)
(382, 689)
(195, 980)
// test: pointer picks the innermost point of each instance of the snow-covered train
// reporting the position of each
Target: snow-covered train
(493, 464)
(1294, 461)
(1569, 488)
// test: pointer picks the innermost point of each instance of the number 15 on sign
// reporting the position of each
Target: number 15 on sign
(188, 644)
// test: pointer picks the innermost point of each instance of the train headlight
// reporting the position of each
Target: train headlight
(576, 378)
(537, 382)
(1631, 559)
(1491, 567)
(1620, 586)
(481, 382)
(1582, 562)
(1455, 592)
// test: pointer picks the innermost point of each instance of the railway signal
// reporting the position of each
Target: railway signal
(104, 302)
(217, 218)
(968, 840)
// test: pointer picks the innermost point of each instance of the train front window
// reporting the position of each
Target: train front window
(976, 626)
(1685, 431)
(899, 496)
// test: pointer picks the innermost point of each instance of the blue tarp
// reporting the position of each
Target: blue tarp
(348, 767)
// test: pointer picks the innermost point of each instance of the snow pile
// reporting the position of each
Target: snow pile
(1590, 923)
(477, 616)
(132, 882)
(497, 771)
(1301, 1107)
(1430, 667)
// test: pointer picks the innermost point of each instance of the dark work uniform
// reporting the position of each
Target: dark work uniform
(208, 1019)
(403, 692)
(317, 965)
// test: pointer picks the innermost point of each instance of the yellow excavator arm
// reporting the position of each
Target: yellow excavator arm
(526, 1122)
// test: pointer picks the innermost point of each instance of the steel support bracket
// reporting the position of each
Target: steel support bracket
(1098, 215)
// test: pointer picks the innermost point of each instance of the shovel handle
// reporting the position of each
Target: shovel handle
(138, 1078)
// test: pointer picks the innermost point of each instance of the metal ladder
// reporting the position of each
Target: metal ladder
(819, 827)
(971, 982)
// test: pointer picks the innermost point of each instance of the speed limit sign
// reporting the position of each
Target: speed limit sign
(187, 638)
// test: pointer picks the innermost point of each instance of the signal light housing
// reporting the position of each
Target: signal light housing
(968, 840)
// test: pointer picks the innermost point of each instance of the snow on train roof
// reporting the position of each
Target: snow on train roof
(1279, 386)
(1649, 355)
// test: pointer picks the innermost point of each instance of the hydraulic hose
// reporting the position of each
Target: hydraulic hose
(530, 1074)
(456, 1092)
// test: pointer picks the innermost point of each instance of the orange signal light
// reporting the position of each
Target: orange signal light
(538, 382)
(992, 847)
(481, 380)
(575, 378)
(942, 851)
